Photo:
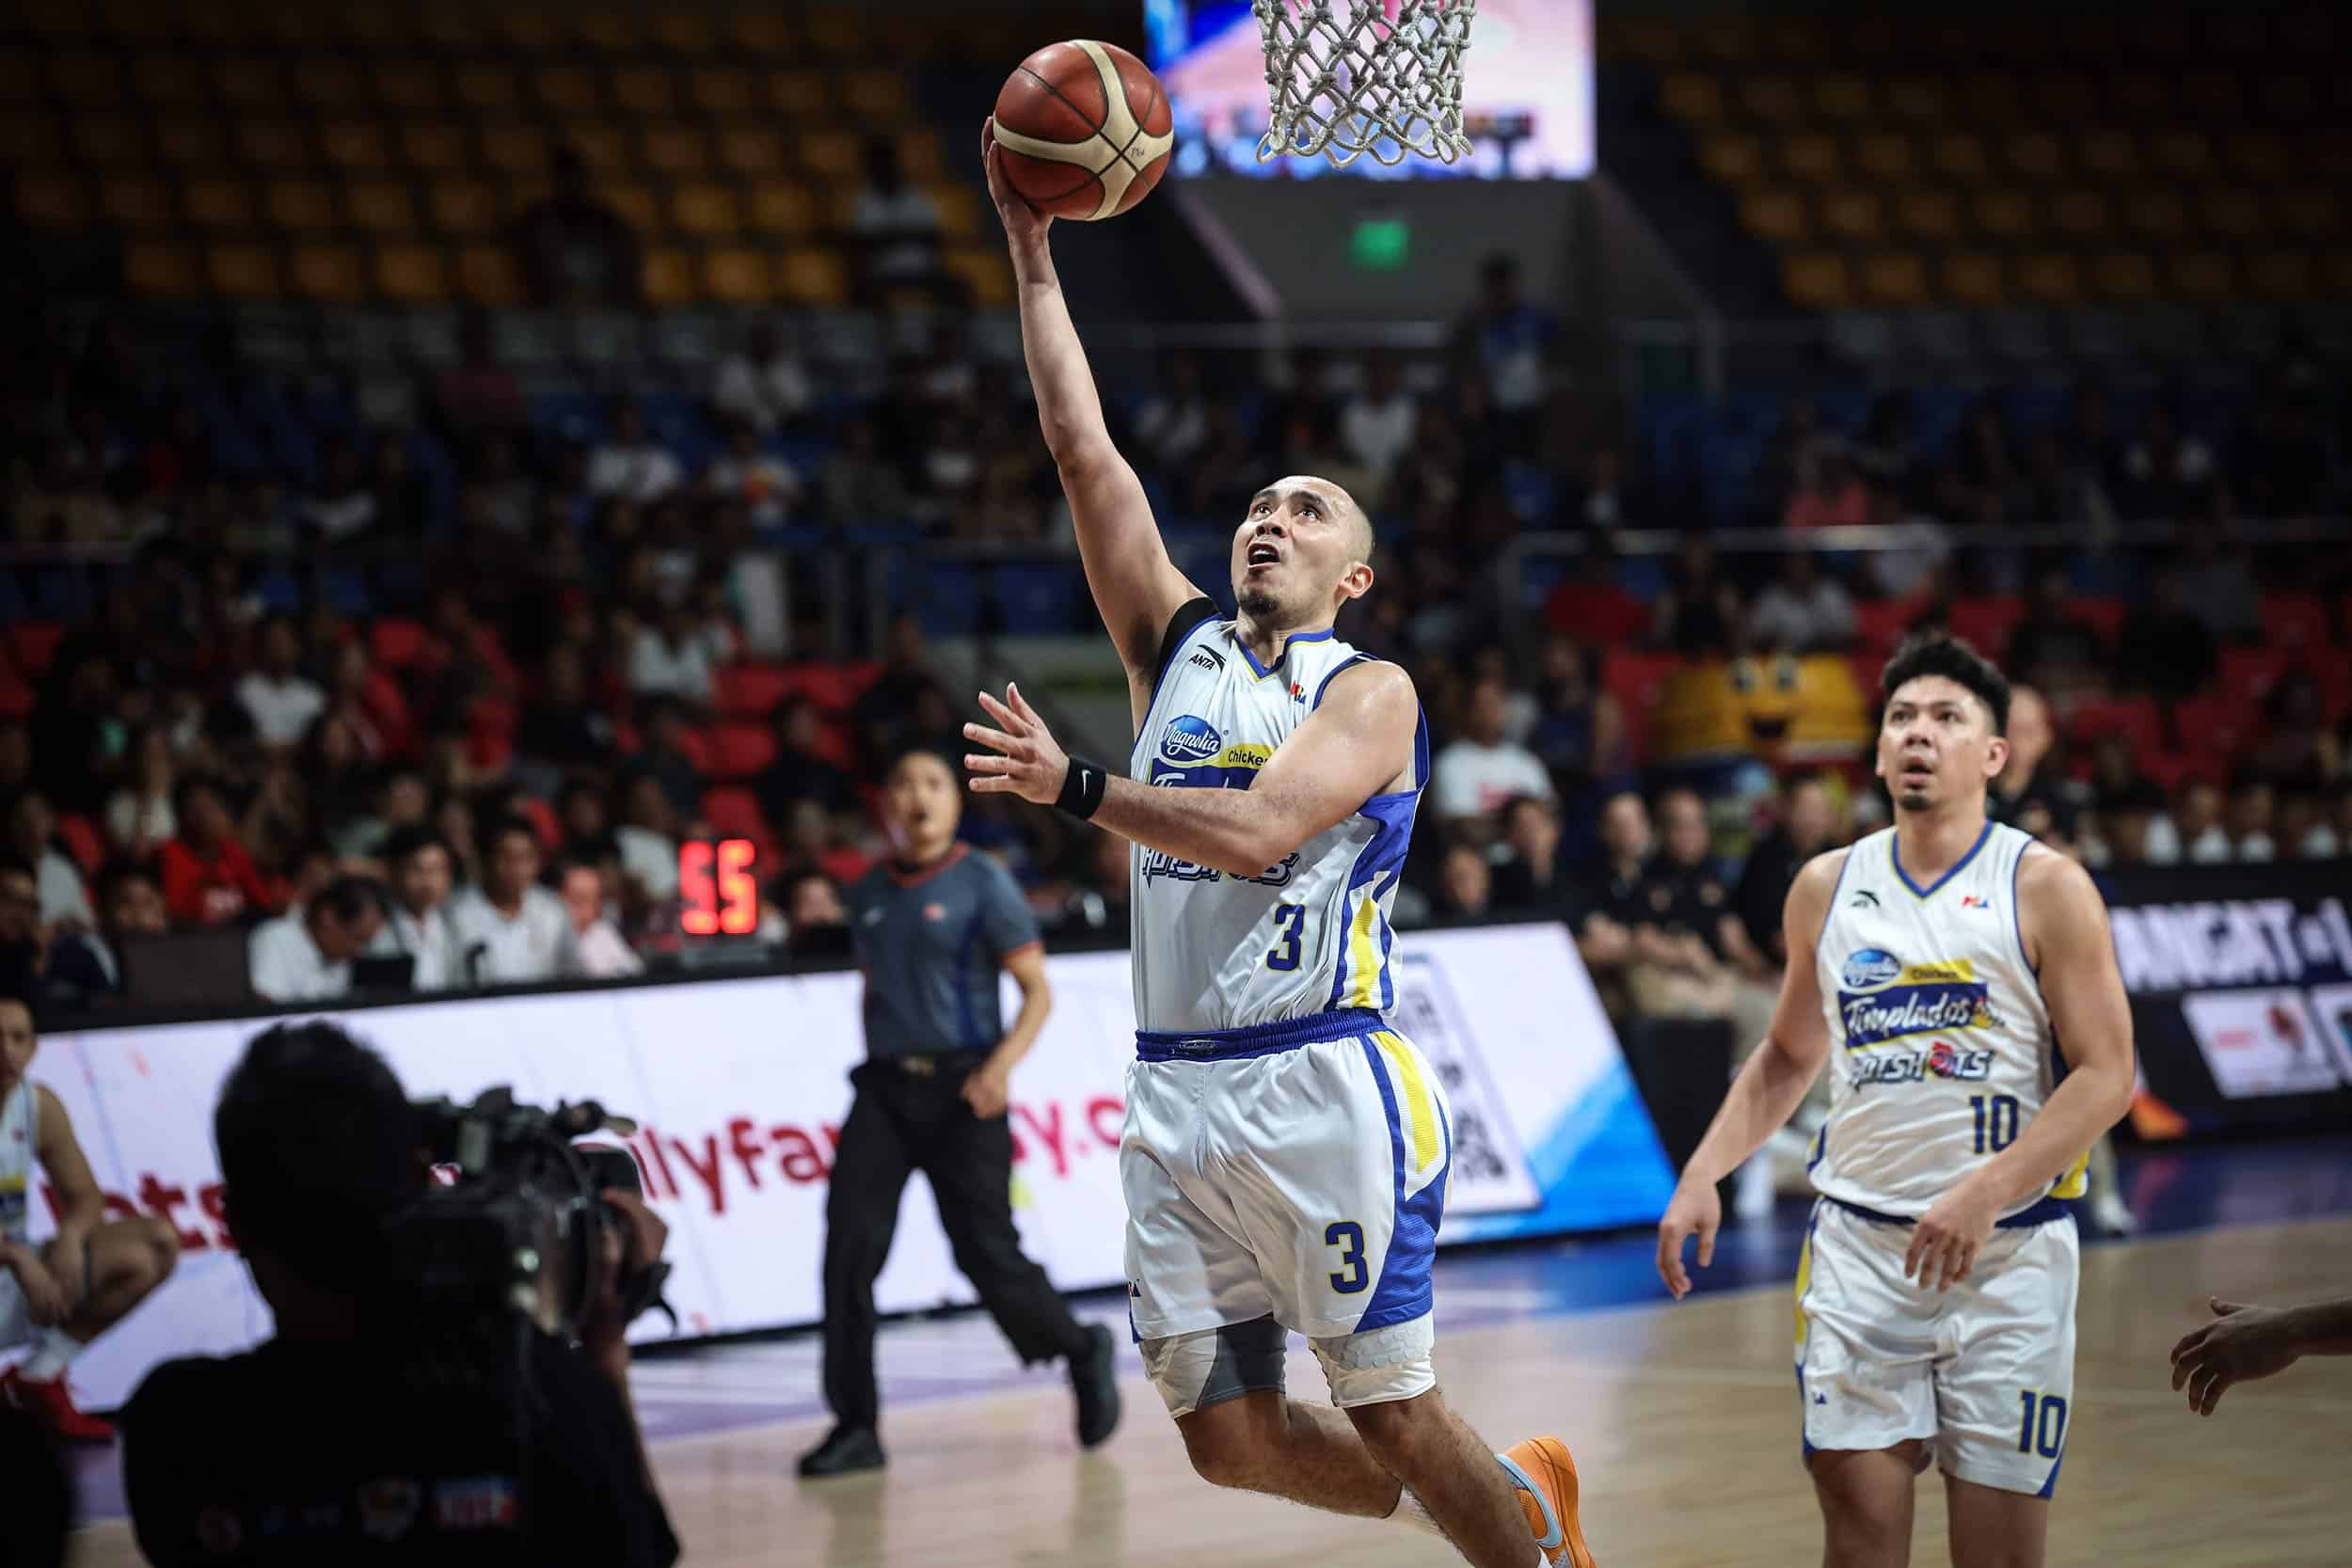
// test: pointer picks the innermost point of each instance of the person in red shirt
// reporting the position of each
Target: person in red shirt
(208, 875)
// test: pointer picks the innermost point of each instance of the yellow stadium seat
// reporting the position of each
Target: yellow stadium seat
(487, 89)
(2158, 212)
(33, 139)
(2126, 276)
(2035, 154)
(2003, 212)
(2283, 275)
(1895, 277)
(330, 274)
(1973, 277)
(2049, 279)
(569, 90)
(434, 148)
(833, 153)
(2080, 212)
(634, 202)
(330, 86)
(750, 150)
(140, 205)
(2202, 275)
(412, 274)
(464, 206)
(840, 205)
(1886, 155)
(1777, 215)
(519, 150)
(708, 212)
(163, 270)
(2233, 212)
(1854, 214)
(1689, 95)
(486, 275)
(781, 207)
(614, 32)
(645, 90)
(799, 94)
(921, 156)
(54, 201)
(408, 85)
(737, 276)
(2137, 96)
(1733, 157)
(669, 279)
(1842, 95)
(106, 141)
(273, 144)
(1819, 278)
(604, 149)
(958, 206)
(721, 90)
(760, 31)
(876, 95)
(164, 82)
(2262, 154)
(245, 81)
(1928, 212)
(86, 81)
(1773, 98)
(1920, 99)
(985, 271)
(835, 32)
(2313, 210)
(246, 271)
(1811, 156)
(302, 204)
(1657, 39)
(381, 207)
(683, 32)
(2109, 154)
(224, 204)
(678, 150)
(2185, 153)
(1958, 156)
(814, 278)
(354, 144)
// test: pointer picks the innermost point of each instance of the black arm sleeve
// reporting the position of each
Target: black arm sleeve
(592, 1501)
(1188, 615)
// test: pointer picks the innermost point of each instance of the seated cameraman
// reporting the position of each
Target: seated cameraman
(345, 1440)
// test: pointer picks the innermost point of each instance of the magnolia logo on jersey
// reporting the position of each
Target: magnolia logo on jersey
(1868, 967)
(1190, 738)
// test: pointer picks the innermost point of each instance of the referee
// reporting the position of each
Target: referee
(931, 929)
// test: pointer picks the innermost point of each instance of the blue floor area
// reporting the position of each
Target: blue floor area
(725, 1387)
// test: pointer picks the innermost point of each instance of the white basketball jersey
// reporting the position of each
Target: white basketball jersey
(1310, 935)
(20, 1132)
(1940, 1049)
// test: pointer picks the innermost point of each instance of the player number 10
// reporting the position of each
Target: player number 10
(1996, 1123)
(2043, 1429)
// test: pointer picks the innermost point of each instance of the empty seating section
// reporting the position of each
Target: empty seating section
(2034, 158)
(385, 152)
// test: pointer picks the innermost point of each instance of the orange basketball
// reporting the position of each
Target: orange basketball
(1085, 129)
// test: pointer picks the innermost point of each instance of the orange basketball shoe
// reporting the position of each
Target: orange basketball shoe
(1547, 1478)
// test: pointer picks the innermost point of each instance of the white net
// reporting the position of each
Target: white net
(1347, 77)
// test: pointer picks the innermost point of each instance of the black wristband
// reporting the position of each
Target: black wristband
(1082, 788)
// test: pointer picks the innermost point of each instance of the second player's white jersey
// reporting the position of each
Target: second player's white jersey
(19, 1131)
(1213, 951)
(1941, 1050)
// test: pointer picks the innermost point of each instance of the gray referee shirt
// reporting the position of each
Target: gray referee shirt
(931, 945)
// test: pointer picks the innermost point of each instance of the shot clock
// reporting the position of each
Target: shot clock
(718, 893)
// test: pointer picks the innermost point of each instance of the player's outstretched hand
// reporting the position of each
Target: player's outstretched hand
(1031, 762)
(1944, 1242)
(2241, 1344)
(1023, 224)
(1696, 1211)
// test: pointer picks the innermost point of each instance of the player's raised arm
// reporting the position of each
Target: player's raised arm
(1137, 587)
(1768, 1088)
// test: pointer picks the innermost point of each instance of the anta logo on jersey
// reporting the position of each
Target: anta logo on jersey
(1882, 998)
(1190, 739)
(1205, 658)
(1943, 1059)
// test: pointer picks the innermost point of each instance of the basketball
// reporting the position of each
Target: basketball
(1085, 129)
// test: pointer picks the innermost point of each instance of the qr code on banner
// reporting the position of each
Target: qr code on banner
(1491, 1169)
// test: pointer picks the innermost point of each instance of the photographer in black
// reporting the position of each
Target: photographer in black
(355, 1436)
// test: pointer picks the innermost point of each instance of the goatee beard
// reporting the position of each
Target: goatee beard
(1256, 603)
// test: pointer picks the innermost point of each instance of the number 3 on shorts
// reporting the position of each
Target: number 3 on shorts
(1285, 956)
(1348, 1237)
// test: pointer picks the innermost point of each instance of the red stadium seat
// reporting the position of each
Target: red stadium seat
(734, 812)
(1880, 624)
(1986, 620)
(2105, 615)
(16, 698)
(2171, 770)
(82, 837)
(2249, 674)
(34, 644)
(739, 750)
(2134, 717)
(746, 689)
(542, 819)
(2213, 728)
(396, 643)
(2298, 621)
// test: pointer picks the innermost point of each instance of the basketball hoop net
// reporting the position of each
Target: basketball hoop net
(1347, 77)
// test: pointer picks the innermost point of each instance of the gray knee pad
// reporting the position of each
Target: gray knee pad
(1380, 1365)
(1210, 1366)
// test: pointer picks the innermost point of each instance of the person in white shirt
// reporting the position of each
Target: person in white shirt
(305, 955)
(1802, 612)
(1376, 426)
(604, 953)
(632, 463)
(423, 870)
(281, 702)
(511, 931)
(765, 484)
(32, 832)
(765, 385)
(1173, 425)
(139, 817)
(897, 222)
(1480, 771)
(671, 657)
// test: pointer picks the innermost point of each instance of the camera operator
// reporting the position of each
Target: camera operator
(344, 1440)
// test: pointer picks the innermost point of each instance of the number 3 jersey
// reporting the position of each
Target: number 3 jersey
(1940, 1049)
(1310, 934)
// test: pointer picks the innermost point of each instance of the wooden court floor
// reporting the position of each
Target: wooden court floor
(1682, 1418)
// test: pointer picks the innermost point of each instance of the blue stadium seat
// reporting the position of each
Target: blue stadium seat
(1533, 492)
(279, 594)
(347, 592)
(1040, 598)
(575, 415)
(949, 601)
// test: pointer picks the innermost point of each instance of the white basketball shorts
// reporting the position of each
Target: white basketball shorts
(1983, 1372)
(1295, 1170)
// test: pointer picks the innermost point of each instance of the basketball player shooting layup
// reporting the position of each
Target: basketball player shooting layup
(1285, 1154)
(1960, 979)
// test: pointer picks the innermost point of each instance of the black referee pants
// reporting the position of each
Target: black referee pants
(898, 1124)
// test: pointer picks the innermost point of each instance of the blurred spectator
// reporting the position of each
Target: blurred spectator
(764, 483)
(418, 923)
(2127, 821)
(1808, 825)
(2294, 742)
(305, 955)
(896, 224)
(1698, 615)
(2253, 807)
(648, 837)
(1173, 423)
(2166, 475)
(1507, 339)
(2219, 587)
(574, 249)
(1803, 611)
(812, 837)
(671, 656)
(1884, 456)
(1600, 502)
(477, 394)
(665, 759)
(336, 775)
(2300, 830)
(583, 820)
(278, 698)
(1477, 773)
(2163, 649)
(208, 875)
(1985, 485)
(2025, 796)
(602, 953)
(2052, 647)
(73, 730)
(343, 504)
(2196, 823)
(47, 966)
(1465, 885)
(16, 755)
(1531, 879)
(632, 463)
(1788, 461)
(308, 869)
(2118, 784)
(863, 487)
(2281, 457)
(1377, 423)
(799, 773)
(815, 918)
(2331, 837)
(130, 906)
(1694, 959)
(509, 931)
(401, 803)
(1829, 493)
(403, 496)
(765, 387)
(1579, 729)
(561, 726)
(32, 829)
